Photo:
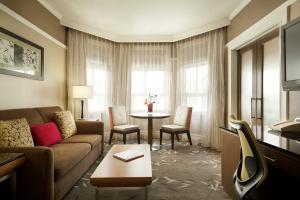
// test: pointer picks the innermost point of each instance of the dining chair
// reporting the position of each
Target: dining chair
(118, 123)
(252, 170)
(181, 124)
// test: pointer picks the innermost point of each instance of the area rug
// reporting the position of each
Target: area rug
(186, 173)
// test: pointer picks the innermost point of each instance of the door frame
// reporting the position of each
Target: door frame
(251, 46)
(257, 48)
(270, 22)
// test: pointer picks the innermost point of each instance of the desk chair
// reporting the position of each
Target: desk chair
(118, 123)
(252, 170)
(181, 124)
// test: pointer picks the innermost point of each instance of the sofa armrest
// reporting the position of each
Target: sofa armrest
(89, 127)
(35, 179)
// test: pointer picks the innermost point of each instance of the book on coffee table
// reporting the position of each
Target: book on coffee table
(128, 155)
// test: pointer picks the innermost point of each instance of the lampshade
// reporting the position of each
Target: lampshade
(82, 92)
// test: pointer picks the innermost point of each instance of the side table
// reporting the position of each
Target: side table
(9, 163)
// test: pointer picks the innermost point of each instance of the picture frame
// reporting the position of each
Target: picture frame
(20, 57)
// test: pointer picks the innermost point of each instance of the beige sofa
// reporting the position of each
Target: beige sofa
(49, 173)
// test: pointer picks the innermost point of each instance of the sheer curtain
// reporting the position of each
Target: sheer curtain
(90, 62)
(188, 72)
(76, 68)
(200, 83)
(145, 68)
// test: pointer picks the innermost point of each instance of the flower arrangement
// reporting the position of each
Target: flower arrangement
(149, 101)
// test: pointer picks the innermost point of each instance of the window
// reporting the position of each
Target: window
(97, 77)
(144, 82)
(196, 87)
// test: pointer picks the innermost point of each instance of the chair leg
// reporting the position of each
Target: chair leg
(160, 136)
(139, 136)
(189, 137)
(111, 135)
(124, 138)
(177, 136)
(172, 140)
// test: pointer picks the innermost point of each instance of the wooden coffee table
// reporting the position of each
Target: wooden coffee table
(113, 173)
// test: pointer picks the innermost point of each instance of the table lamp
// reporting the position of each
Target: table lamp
(82, 92)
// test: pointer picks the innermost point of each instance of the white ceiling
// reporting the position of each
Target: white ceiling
(139, 20)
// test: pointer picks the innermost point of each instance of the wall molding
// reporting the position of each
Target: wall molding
(239, 8)
(145, 38)
(275, 18)
(203, 29)
(51, 9)
(30, 25)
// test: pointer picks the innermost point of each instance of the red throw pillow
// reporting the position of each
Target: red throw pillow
(45, 134)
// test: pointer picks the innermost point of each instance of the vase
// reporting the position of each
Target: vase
(150, 107)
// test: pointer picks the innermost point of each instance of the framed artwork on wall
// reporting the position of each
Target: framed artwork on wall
(20, 57)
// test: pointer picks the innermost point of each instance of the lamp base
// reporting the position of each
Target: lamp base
(82, 102)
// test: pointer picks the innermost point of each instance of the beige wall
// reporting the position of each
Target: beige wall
(252, 13)
(34, 12)
(295, 95)
(19, 92)
(295, 10)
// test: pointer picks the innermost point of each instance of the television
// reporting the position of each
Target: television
(290, 44)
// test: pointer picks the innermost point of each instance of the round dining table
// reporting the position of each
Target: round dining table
(150, 116)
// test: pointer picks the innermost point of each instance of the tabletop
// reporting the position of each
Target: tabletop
(113, 172)
(278, 140)
(152, 115)
(8, 157)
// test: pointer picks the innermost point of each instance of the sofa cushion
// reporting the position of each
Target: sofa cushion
(67, 155)
(173, 127)
(93, 140)
(15, 133)
(127, 127)
(30, 114)
(45, 134)
(66, 123)
(47, 113)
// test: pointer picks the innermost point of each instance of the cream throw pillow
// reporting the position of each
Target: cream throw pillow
(66, 123)
(15, 133)
(181, 116)
(119, 115)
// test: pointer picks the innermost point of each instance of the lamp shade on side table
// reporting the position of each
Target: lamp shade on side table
(82, 92)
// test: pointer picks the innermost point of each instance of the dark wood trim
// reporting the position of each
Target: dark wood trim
(257, 78)
(277, 158)
(111, 121)
(124, 133)
(8, 170)
(239, 81)
(11, 166)
(249, 47)
(173, 133)
(288, 105)
(263, 143)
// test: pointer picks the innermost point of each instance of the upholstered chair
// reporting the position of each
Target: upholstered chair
(118, 123)
(252, 170)
(181, 124)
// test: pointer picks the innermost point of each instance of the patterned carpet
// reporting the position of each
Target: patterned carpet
(188, 172)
